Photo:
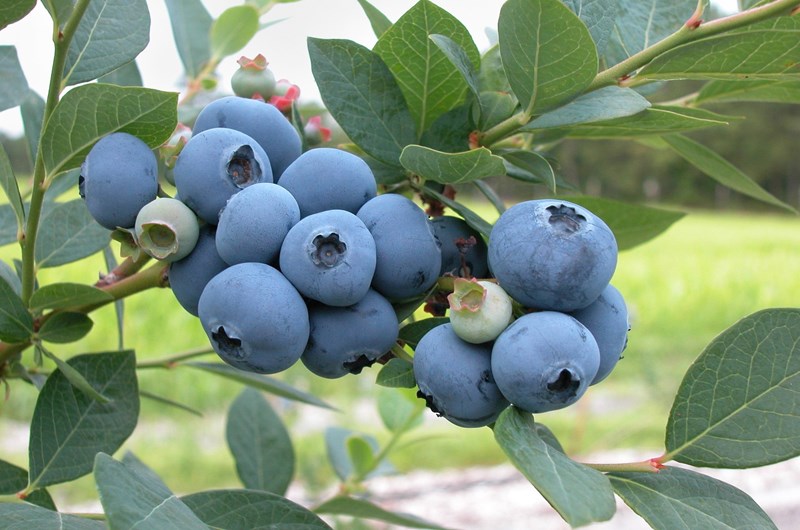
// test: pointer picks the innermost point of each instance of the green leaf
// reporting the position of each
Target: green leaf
(412, 333)
(755, 90)
(336, 439)
(88, 112)
(632, 224)
(377, 20)
(261, 382)
(14, 10)
(9, 275)
(259, 443)
(135, 498)
(720, 169)
(75, 378)
(25, 516)
(67, 233)
(66, 327)
(170, 402)
(431, 84)
(492, 75)
(14, 479)
(361, 94)
(578, 493)
(537, 168)
(397, 373)
(451, 168)
(110, 34)
(604, 104)
(32, 111)
(363, 509)
(9, 184)
(68, 428)
(494, 108)
(492, 195)
(60, 10)
(766, 53)
(737, 404)
(599, 16)
(456, 55)
(451, 131)
(361, 454)
(471, 218)
(16, 324)
(233, 30)
(126, 75)
(548, 53)
(681, 498)
(64, 295)
(400, 409)
(14, 86)
(247, 509)
(191, 27)
(8, 225)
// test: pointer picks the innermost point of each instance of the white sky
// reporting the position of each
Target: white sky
(283, 44)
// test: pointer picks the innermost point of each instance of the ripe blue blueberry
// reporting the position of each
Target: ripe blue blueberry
(329, 179)
(464, 251)
(188, 276)
(544, 361)
(329, 257)
(607, 319)
(214, 165)
(455, 378)
(409, 258)
(254, 318)
(550, 254)
(344, 340)
(118, 177)
(254, 223)
(259, 120)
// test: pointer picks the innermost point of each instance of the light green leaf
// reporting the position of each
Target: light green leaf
(111, 33)
(8, 225)
(548, 53)
(720, 169)
(431, 84)
(191, 27)
(456, 55)
(14, 86)
(397, 373)
(599, 16)
(492, 75)
(68, 233)
(470, 217)
(681, 498)
(126, 75)
(14, 479)
(259, 443)
(69, 428)
(364, 509)
(62, 328)
(247, 509)
(361, 454)
(363, 97)
(412, 333)
(336, 439)
(26, 517)
(494, 108)
(536, 168)
(491, 194)
(755, 90)
(16, 324)
(60, 10)
(451, 168)
(233, 30)
(14, 10)
(9, 275)
(737, 404)
(88, 112)
(606, 103)
(578, 493)
(32, 111)
(377, 20)
(63, 295)
(75, 378)
(400, 409)
(169, 402)
(135, 498)
(8, 182)
(63, 183)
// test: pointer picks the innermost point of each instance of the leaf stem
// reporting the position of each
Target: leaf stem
(173, 360)
(652, 465)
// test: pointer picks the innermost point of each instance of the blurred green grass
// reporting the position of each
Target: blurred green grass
(683, 288)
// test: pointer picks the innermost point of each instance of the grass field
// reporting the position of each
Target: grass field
(683, 288)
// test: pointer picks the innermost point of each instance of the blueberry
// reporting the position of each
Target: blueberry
(329, 257)
(607, 319)
(254, 318)
(118, 177)
(479, 310)
(464, 251)
(253, 78)
(346, 339)
(455, 378)
(188, 277)
(408, 254)
(214, 165)
(254, 223)
(544, 361)
(550, 254)
(329, 179)
(166, 229)
(257, 119)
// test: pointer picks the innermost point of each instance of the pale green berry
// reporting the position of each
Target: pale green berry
(166, 229)
(479, 310)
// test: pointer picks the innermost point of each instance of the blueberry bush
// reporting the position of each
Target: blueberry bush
(364, 256)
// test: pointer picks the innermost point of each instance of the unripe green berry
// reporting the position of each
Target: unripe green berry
(253, 79)
(479, 310)
(166, 229)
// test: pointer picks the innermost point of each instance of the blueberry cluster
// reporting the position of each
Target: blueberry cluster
(547, 327)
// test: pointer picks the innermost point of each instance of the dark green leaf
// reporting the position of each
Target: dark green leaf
(737, 404)
(406, 308)
(490, 193)
(32, 111)
(14, 479)
(169, 402)
(88, 112)
(336, 447)
(14, 10)
(536, 166)
(400, 409)
(578, 493)
(548, 53)
(720, 169)
(681, 498)
(377, 20)
(14, 86)
(135, 498)
(259, 443)
(361, 454)
(75, 378)
(68, 428)
(68, 233)
(233, 30)
(9, 184)
(431, 84)
(451, 131)
(26, 517)
(8, 274)
(364, 509)
(16, 324)
(755, 90)
(492, 75)
(126, 75)
(191, 27)
(456, 55)
(397, 373)
(248, 510)
(63, 295)
(451, 168)
(547, 436)
(261, 382)
(471, 218)
(412, 333)
(363, 97)
(111, 33)
(66, 327)
(599, 16)
(607, 103)
(60, 10)
(494, 108)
